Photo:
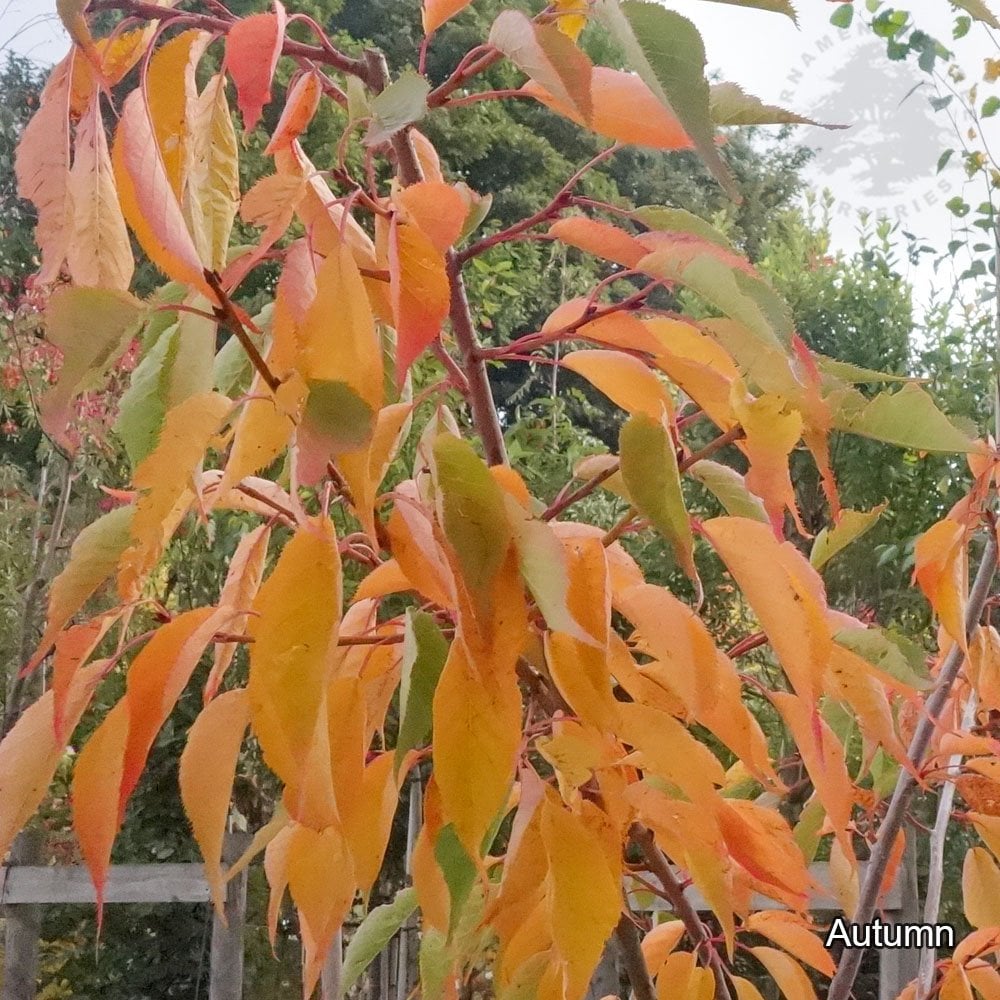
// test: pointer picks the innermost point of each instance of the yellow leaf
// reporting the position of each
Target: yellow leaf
(981, 888)
(477, 732)
(851, 526)
(786, 972)
(585, 901)
(368, 826)
(795, 935)
(676, 976)
(785, 593)
(295, 637)
(844, 879)
(171, 97)
(772, 428)
(30, 753)
(625, 380)
(166, 479)
(580, 669)
(99, 253)
(954, 985)
(660, 942)
(745, 990)
(823, 756)
(96, 783)
(212, 191)
(207, 771)
(573, 17)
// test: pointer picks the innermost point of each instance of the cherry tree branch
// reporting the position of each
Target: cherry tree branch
(643, 838)
(850, 962)
(632, 957)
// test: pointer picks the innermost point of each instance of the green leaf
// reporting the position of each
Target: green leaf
(402, 103)
(990, 107)
(649, 468)
(853, 524)
(979, 10)
(773, 6)
(473, 513)
(374, 933)
(679, 220)
(435, 962)
(92, 327)
(93, 557)
(807, 830)
(735, 293)
(336, 415)
(666, 50)
(892, 653)
(843, 16)
(425, 650)
(542, 560)
(908, 418)
(730, 489)
(232, 371)
(844, 371)
(732, 105)
(458, 869)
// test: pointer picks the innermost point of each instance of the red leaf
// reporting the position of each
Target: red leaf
(252, 50)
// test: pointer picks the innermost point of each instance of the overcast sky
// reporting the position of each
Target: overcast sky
(884, 163)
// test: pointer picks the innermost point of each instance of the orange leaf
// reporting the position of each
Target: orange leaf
(435, 208)
(207, 771)
(156, 680)
(436, 12)
(300, 107)
(96, 787)
(369, 825)
(421, 293)
(99, 253)
(625, 380)
(42, 169)
(600, 239)
(149, 205)
(243, 577)
(623, 108)
(30, 752)
(253, 47)
(940, 570)
(546, 55)
(73, 647)
(321, 881)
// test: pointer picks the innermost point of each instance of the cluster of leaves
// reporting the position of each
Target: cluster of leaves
(586, 733)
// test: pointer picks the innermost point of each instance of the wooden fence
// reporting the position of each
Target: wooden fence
(26, 886)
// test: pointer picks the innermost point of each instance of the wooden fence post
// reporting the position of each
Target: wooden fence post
(226, 976)
(23, 927)
(898, 966)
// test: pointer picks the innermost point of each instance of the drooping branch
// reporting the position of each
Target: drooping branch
(642, 837)
(850, 962)
(633, 960)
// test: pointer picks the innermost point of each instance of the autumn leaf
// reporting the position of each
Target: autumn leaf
(253, 47)
(207, 770)
(436, 12)
(300, 106)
